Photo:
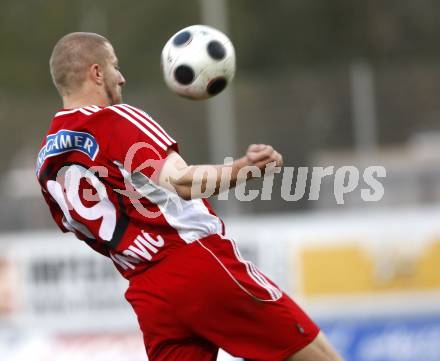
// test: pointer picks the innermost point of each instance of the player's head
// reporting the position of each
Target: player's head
(84, 62)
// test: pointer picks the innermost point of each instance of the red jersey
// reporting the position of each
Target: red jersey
(97, 169)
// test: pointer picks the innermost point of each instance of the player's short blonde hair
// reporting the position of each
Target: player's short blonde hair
(72, 56)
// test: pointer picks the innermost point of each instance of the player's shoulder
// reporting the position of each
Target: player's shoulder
(126, 116)
(86, 111)
(94, 112)
(120, 120)
(123, 115)
(117, 116)
(127, 111)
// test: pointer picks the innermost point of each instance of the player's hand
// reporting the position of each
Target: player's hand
(260, 155)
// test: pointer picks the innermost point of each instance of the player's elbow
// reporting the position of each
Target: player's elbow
(188, 187)
(184, 193)
(188, 192)
(182, 189)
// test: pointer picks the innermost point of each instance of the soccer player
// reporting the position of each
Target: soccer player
(114, 177)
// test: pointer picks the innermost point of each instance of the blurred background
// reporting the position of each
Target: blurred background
(341, 83)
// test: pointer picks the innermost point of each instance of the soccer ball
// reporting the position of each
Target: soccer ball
(198, 62)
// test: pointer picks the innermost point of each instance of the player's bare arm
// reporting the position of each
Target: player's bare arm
(191, 181)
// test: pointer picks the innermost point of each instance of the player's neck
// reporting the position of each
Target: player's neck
(86, 99)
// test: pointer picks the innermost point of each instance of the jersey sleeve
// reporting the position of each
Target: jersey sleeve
(137, 141)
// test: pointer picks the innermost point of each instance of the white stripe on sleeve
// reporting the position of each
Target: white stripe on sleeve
(152, 121)
(145, 121)
(139, 126)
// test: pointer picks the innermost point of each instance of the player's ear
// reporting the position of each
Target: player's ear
(96, 73)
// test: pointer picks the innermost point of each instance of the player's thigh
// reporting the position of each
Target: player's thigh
(319, 349)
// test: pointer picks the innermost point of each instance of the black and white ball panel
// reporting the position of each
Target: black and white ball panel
(198, 62)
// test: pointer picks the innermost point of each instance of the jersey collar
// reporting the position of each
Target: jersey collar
(88, 110)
